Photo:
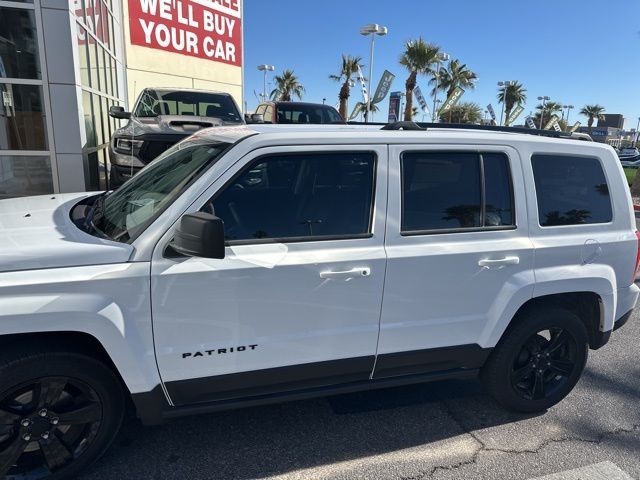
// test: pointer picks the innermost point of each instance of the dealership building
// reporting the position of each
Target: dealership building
(64, 63)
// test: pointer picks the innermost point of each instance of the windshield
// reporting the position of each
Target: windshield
(123, 214)
(157, 102)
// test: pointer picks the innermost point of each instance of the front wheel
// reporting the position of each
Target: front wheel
(538, 361)
(58, 413)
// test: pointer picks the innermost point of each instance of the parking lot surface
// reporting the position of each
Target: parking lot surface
(445, 430)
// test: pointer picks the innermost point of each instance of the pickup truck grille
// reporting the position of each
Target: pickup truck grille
(154, 147)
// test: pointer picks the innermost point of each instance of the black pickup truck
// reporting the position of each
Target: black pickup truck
(160, 118)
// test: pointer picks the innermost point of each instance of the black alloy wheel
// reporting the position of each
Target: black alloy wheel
(45, 425)
(538, 360)
(545, 364)
(59, 412)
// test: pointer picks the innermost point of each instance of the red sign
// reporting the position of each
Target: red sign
(95, 18)
(206, 29)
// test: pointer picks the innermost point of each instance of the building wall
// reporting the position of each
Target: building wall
(27, 162)
(156, 66)
(64, 63)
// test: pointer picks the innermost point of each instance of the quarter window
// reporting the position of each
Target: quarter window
(299, 197)
(448, 191)
(571, 190)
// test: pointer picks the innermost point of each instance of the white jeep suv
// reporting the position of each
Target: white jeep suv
(252, 265)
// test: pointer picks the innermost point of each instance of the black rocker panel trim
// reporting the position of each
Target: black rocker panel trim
(269, 380)
(414, 362)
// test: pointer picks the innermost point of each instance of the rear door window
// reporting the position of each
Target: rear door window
(571, 190)
(451, 191)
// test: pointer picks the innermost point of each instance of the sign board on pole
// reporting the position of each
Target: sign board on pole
(356, 110)
(491, 112)
(452, 100)
(552, 120)
(363, 85)
(556, 126)
(383, 86)
(205, 29)
(515, 114)
(530, 123)
(394, 106)
(575, 127)
(421, 100)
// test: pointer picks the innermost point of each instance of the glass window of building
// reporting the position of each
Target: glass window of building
(18, 44)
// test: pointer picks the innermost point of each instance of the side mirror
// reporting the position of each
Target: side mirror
(200, 235)
(257, 118)
(118, 112)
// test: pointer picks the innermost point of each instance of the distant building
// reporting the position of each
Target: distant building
(613, 120)
(600, 134)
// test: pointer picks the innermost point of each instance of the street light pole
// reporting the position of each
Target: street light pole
(568, 107)
(265, 69)
(442, 57)
(544, 100)
(371, 30)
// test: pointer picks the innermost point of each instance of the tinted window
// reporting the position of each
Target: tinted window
(268, 114)
(570, 190)
(315, 114)
(302, 195)
(153, 103)
(498, 190)
(440, 191)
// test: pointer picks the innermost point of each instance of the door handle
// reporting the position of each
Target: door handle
(353, 273)
(499, 263)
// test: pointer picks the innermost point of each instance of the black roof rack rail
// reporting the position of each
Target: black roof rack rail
(466, 126)
(402, 126)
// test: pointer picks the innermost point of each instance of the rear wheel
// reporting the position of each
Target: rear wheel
(538, 361)
(58, 413)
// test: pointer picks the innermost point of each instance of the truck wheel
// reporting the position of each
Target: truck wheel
(58, 413)
(538, 361)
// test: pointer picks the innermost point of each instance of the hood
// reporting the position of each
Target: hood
(37, 232)
(170, 125)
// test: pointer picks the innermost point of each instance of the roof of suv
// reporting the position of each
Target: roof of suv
(373, 134)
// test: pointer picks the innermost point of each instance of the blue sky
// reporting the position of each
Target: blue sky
(576, 52)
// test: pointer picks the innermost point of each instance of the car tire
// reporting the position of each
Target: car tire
(538, 361)
(58, 408)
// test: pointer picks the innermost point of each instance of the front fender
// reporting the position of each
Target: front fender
(109, 302)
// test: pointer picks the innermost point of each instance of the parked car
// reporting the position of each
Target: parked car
(628, 152)
(161, 117)
(633, 162)
(251, 265)
(298, 113)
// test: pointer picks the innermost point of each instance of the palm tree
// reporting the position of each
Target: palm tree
(593, 112)
(550, 108)
(349, 68)
(455, 75)
(287, 87)
(465, 112)
(514, 94)
(418, 58)
(361, 108)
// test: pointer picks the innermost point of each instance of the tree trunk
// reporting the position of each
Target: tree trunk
(410, 85)
(344, 98)
(590, 125)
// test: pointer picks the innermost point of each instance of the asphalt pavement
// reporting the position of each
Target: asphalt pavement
(444, 430)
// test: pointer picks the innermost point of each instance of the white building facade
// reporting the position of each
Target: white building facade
(64, 63)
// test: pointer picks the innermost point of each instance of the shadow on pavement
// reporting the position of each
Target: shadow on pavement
(271, 440)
